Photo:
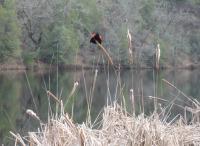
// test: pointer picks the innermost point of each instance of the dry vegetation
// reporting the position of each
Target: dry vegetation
(117, 128)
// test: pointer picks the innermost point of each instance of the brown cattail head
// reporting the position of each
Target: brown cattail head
(157, 56)
(130, 46)
(32, 114)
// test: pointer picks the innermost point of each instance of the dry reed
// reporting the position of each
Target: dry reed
(106, 53)
(117, 128)
(158, 56)
(130, 52)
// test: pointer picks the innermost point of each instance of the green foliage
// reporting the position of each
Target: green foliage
(123, 45)
(195, 2)
(83, 18)
(146, 13)
(60, 38)
(9, 104)
(194, 42)
(61, 43)
(29, 56)
(164, 51)
(65, 28)
(9, 31)
(180, 1)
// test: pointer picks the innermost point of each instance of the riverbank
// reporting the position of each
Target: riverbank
(44, 66)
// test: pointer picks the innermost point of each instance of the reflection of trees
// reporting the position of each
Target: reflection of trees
(61, 86)
(55, 29)
(15, 95)
(9, 104)
(188, 82)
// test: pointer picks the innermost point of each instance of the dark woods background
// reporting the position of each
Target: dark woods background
(51, 31)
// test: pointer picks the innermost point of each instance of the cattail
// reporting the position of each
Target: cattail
(129, 41)
(130, 46)
(132, 98)
(74, 89)
(32, 114)
(157, 56)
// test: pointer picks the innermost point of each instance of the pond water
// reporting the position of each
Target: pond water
(27, 90)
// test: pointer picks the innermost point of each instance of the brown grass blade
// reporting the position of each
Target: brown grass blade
(106, 53)
(53, 96)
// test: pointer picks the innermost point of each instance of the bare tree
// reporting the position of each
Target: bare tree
(34, 16)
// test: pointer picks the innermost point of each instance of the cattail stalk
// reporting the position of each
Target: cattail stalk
(71, 93)
(74, 89)
(158, 56)
(53, 96)
(132, 98)
(130, 47)
(32, 114)
(106, 53)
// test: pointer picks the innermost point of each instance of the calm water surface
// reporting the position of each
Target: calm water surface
(20, 91)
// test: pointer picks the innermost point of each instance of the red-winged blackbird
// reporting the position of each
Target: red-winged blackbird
(96, 37)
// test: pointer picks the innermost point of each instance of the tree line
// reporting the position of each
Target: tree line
(47, 31)
(53, 31)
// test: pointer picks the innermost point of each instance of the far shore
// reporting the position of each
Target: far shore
(43, 66)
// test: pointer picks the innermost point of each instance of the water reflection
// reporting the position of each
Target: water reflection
(20, 91)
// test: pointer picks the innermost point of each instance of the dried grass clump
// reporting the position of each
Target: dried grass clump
(117, 128)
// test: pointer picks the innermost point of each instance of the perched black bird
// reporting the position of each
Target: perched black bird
(96, 37)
